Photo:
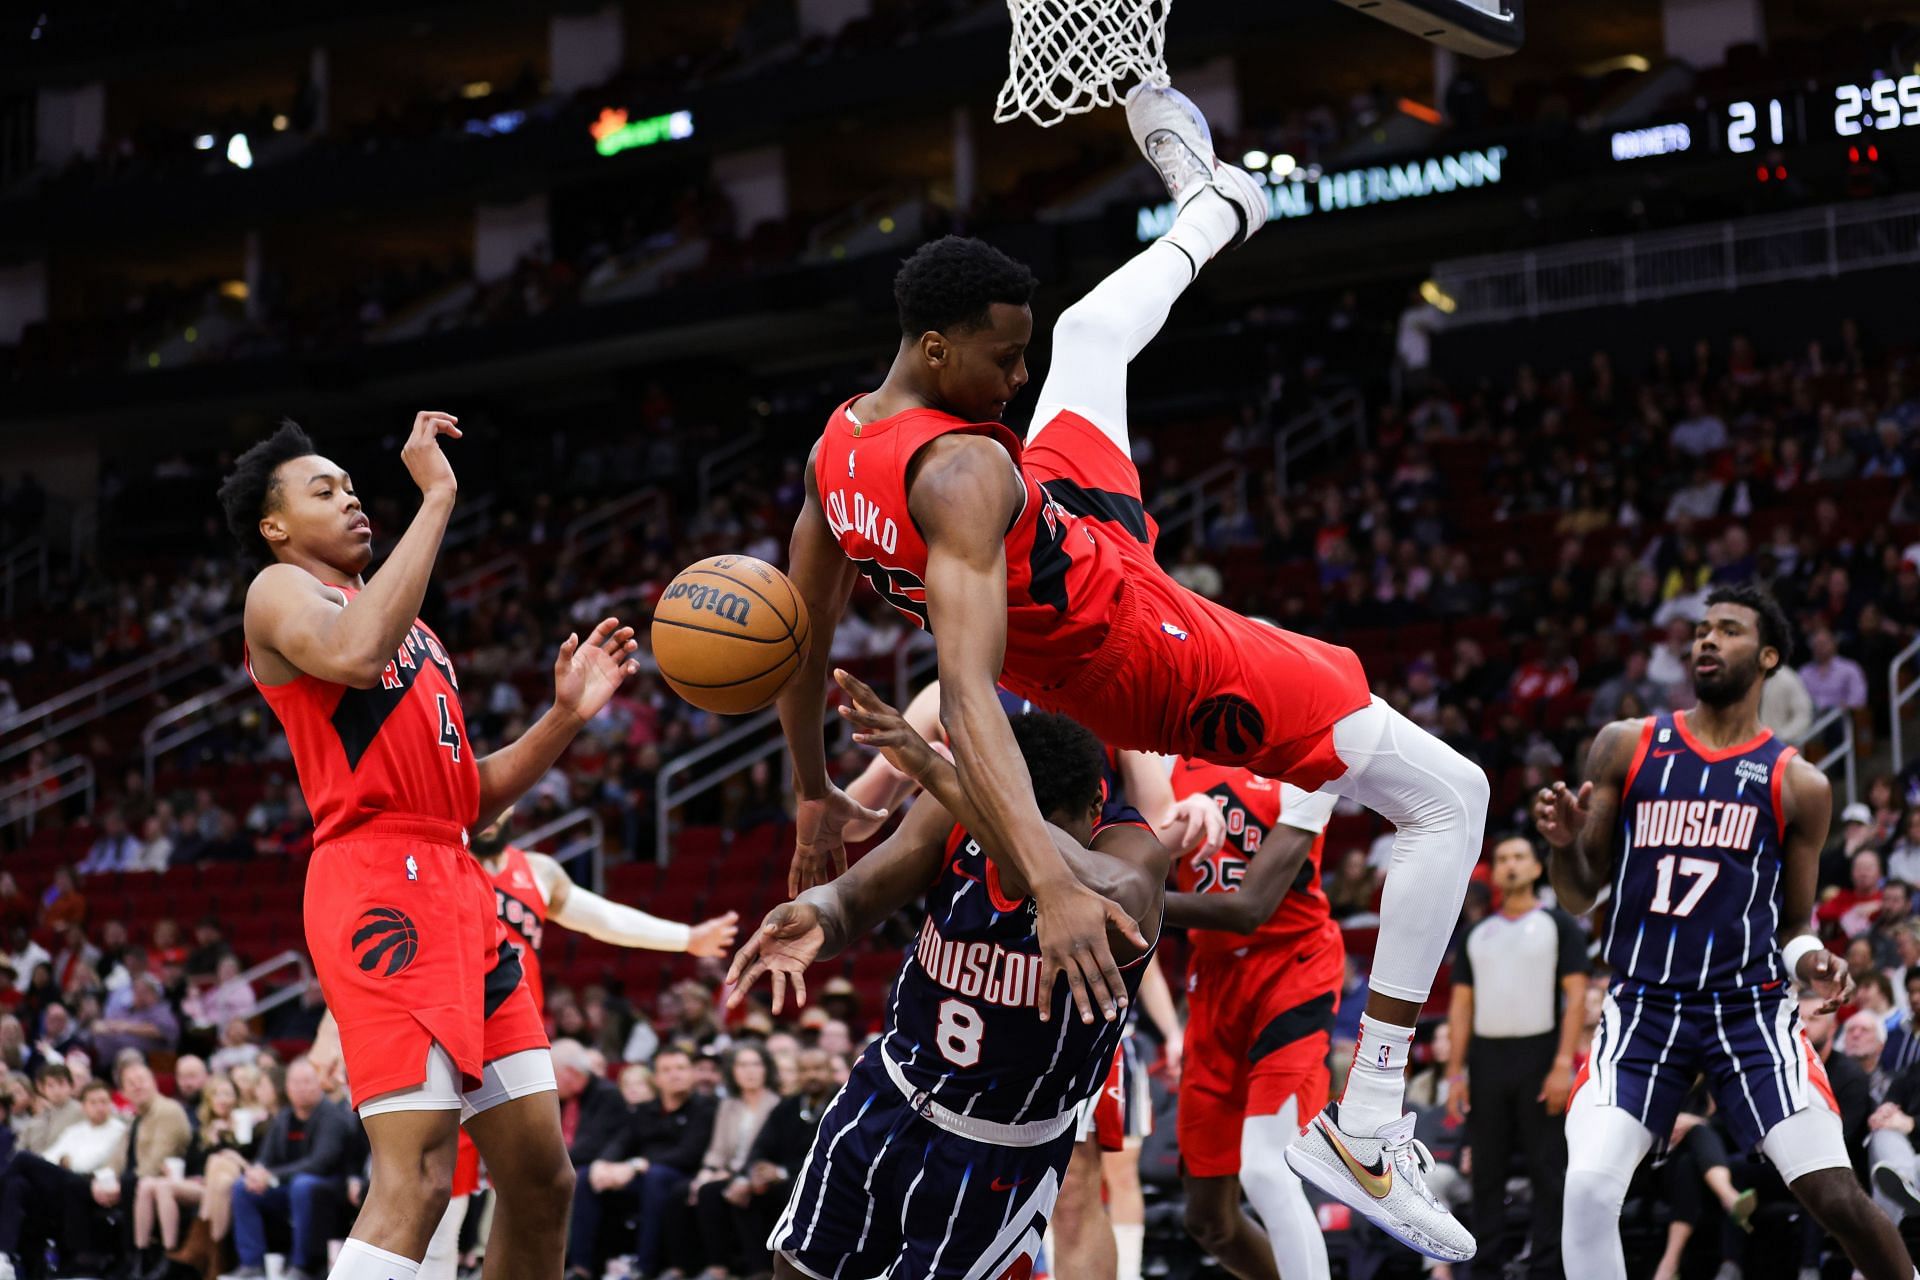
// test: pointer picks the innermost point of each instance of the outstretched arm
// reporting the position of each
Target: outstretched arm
(585, 678)
(582, 910)
(1581, 826)
(881, 786)
(295, 624)
(1192, 825)
(824, 577)
(1272, 872)
(824, 921)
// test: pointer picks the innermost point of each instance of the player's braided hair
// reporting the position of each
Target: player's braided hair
(1064, 759)
(252, 488)
(1775, 631)
(951, 284)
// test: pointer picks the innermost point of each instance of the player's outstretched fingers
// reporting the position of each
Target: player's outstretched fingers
(1118, 917)
(1103, 979)
(1077, 988)
(600, 633)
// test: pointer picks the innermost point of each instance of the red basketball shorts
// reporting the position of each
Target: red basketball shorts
(1123, 1108)
(409, 950)
(1256, 1036)
(1178, 673)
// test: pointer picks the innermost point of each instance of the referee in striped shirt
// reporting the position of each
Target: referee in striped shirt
(1519, 994)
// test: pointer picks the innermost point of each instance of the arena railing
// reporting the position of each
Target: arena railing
(194, 718)
(1845, 757)
(1901, 695)
(1807, 244)
(758, 737)
(588, 844)
(594, 529)
(24, 562)
(1188, 506)
(504, 571)
(285, 994)
(1331, 421)
(23, 799)
(719, 466)
(45, 722)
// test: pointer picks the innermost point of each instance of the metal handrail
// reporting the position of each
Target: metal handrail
(712, 463)
(508, 569)
(290, 992)
(597, 527)
(471, 519)
(1327, 421)
(589, 844)
(26, 559)
(22, 799)
(112, 690)
(670, 799)
(157, 741)
(1900, 698)
(1845, 754)
(1190, 503)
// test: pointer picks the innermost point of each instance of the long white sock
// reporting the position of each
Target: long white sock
(1278, 1198)
(361, 1261)
(1129, 1240)
(1205, 225)
(1377, 1083)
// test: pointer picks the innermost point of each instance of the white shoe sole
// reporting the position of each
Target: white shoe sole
(1332, 1178)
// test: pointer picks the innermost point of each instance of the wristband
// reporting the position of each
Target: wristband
(1798, 949)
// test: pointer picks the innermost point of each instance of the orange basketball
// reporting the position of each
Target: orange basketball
(729, 633)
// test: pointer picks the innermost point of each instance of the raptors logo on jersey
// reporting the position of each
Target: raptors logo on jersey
(1696, 891)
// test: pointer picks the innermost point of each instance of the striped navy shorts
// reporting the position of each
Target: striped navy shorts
(1653, 1042)
(886, 1192)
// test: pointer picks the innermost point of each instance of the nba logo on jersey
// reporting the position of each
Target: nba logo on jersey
(849, 464)
(413, 868)
(1173, 631)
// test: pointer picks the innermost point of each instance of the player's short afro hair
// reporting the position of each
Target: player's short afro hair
(250, 490)
(950, 285)
(1066, 761)
(1775, 631)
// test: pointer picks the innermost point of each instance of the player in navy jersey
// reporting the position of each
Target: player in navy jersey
(1708, 832)
(943, 1153)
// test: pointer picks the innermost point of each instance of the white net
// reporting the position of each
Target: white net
(1070, 56)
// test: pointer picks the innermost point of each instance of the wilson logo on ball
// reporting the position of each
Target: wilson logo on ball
(731, 605)
(389, 939)
(1227, 723)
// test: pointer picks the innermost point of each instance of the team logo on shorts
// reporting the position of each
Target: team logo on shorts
(1227, 722)
(389, 939)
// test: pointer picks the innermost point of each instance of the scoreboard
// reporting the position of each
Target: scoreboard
(1863, 108)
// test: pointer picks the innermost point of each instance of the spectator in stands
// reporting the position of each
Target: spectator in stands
(1786, 707)
(50, 1197)
(16, 909)
(212, 1165)
(159, 1132)
(76, 963)
(752, 1094)
(1834, 680)
(776, 1156)
(232, 999)
(156, 840)
(1353, 892)
(1896, 909)
(1633, 679)
(1876, 997)
(116, 848)
(592, 1113)
(209, 944)
(1903, 859)
(1701, 433)
(189, 1080)
(1903, 1042)
(299, 1177)
(646, 1168)
(236, 1048)
(57, 1109)
(1195, 574)
(148, 1024)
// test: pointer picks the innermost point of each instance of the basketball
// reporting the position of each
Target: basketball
(728, 633)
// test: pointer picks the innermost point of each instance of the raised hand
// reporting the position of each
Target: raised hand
(1196, 827)
(585, 676)
(786, 942)
(1561, 813)
(713, 937)
(878, 725)
(1071, 925)
(819, 841)
(425, 463)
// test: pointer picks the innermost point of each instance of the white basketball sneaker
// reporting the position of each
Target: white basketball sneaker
(1383, 1177)
(1173, 135)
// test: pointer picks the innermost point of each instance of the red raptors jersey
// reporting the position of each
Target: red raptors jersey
(1062, 580)
(524, 912)
(397, 749)
(1250, 804)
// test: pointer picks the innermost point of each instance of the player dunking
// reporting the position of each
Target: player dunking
(1031, 562)
(943, 1153)
(435, 1018)
(1262, 990)
(531, 890)
(1708, 830)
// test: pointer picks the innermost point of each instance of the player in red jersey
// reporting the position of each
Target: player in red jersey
(1262, 989)
(435, 1018)
(1031, 562)
(529, 890)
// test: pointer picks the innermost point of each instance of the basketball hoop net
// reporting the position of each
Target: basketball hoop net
(1070, 56)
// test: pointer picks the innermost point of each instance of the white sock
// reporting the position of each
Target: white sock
(1205, 225)
(1377, 1083)
(1129, 1238)
(361, 1261)
(1278, 1198)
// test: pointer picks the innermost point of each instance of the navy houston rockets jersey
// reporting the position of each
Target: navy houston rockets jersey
(962, 1023)
(1696, 883)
